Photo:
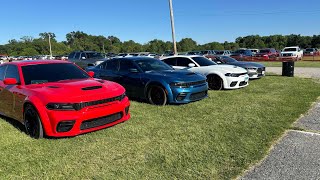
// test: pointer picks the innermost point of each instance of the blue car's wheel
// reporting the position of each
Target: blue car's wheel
(157, 95)
(32, 122)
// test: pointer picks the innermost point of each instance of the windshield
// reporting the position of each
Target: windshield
(152, 65)
(309, 50)
(202, 61)
(290, 49)
(44, 73)
(94, 56)
(219, 52)
(264, 51)
(228, 59)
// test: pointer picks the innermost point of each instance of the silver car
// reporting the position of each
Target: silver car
(86, 58)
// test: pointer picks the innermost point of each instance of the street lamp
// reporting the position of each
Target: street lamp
(50, 45)
(172, 28)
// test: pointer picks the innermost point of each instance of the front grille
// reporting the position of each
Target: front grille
(82, 105)
(92, 123)
(242, 83)
(287, 55)
(199, 95)
(195, 83)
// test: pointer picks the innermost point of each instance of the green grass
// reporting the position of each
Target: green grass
(216, 138)
(297, 64)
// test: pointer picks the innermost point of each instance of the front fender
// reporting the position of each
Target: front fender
(160, 83)
(221, 75)
(42, 111)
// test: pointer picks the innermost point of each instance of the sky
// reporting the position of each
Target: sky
(144, 20)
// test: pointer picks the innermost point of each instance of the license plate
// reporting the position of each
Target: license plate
(263, 72)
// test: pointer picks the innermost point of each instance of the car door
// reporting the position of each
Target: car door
(108, 70)
(183, 63)
(2, 86)
(9, 92)
(130, 80)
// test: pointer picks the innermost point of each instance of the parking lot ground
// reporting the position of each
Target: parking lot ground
(306, 72)
(311, 121)
(296, 156)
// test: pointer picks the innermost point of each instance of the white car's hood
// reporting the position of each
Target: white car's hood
(219, 68)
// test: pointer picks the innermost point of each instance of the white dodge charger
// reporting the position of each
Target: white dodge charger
(218, 76)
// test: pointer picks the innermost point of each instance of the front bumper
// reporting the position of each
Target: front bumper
(187, 95)
(86, 120)
(236, 82)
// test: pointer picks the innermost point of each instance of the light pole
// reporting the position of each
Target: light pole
(50, 45)
(172, 28)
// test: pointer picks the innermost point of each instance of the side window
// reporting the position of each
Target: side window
(77, 56)
(183, 62)
(126, 65)
(170, 61)
(2, 70)
(83, 55)
(111, 65)
(71, 55)
(12, 72)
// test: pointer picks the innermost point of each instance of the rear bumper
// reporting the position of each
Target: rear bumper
(86, 120)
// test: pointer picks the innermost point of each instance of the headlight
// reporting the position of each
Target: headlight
(251, 69)
(61, 106)
(179, 84)
(231, 75)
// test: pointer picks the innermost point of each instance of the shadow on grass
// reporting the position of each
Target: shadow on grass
(14, 123)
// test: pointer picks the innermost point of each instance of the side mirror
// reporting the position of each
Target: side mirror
(10, 81)
(191, 65)
(91, 74)
(133, 70)
(83, 58)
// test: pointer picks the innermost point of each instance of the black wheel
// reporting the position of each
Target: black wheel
(157, 95)
(215, 82)
(32, 122)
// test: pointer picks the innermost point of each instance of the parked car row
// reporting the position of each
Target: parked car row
(58, 98)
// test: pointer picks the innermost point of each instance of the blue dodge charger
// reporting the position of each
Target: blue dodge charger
(153, 80)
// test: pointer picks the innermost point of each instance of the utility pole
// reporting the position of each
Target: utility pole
(172, 28)
(50, 45)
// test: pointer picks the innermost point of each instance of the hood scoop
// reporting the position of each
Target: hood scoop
(91, 88)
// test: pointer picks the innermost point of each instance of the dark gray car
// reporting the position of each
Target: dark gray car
(255, 70)
(86, 58)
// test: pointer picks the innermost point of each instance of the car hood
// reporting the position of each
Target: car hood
(220, 68)
(289, 52)
(248, 64)
(177, 75)
(76, 90)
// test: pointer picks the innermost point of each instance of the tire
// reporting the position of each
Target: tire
(157, 95)
(215, 82)
(32, 122)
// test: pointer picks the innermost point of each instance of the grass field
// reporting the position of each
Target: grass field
(297, 64)
(217, 138)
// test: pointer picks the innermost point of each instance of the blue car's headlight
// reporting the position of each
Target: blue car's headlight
(179, 84)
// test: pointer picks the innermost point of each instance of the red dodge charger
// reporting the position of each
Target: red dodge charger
(57, 98)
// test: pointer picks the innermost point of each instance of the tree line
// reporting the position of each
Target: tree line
(78, 40)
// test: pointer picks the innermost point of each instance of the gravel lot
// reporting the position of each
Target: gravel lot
(298, 71)
(311, 121)
(295, 157)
